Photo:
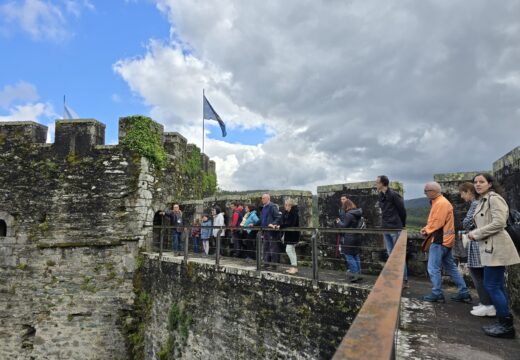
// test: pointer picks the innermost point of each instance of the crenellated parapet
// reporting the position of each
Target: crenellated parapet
(78, 137)
(175, 144)
(14, 133)
(79, 183)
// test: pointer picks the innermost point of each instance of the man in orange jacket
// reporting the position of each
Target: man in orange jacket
(440, 232)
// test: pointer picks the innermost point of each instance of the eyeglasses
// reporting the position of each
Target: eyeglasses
(426, 191)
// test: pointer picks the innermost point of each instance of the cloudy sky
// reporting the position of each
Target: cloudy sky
(312, 92)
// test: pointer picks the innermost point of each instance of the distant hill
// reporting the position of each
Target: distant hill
(417, 211)
(417, 203)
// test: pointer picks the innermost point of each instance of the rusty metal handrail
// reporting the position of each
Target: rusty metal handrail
(372, 335)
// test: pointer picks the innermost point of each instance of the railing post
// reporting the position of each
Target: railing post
(314, 241)
(217, 250)
(186, 243)
(259, 236)
(161, 238)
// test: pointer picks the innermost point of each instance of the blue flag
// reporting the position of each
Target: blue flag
(210, 114)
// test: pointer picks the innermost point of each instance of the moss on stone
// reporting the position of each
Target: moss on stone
(179, 321)
(72, 158)
(135, 325)
(143, 136)
(87, 285)
(51, 263)
(77, 244)
(22, 266)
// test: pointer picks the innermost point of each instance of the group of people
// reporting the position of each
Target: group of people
(393, 217)
(242, 239)
(490, 249)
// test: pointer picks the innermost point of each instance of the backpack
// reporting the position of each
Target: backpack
(362, 224)
(513, 227)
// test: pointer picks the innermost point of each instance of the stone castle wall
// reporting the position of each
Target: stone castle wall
(76, 214)
(365, 196)
(238, 314)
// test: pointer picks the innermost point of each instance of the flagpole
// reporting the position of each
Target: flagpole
(64, 106)
(203, 135)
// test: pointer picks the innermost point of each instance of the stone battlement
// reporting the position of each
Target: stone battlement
(82, 137)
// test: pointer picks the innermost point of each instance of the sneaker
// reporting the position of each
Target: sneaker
(484, 311)
(356, 278)
(292, 271)
(434, 298)
(464, 298)
(478, 306)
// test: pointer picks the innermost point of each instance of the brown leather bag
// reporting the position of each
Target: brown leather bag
(427, 242)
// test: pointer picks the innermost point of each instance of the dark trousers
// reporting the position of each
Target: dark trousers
(237, 243)
(271, 247)
(249, 243)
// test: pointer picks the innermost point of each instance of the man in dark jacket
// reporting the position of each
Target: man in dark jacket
(270, 218)
(175, 217)
(393, 215)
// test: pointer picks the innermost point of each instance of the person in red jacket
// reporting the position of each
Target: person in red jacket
(236, 234)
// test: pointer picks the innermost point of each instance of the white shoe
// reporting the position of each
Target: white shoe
(477, 306)
(485, 311)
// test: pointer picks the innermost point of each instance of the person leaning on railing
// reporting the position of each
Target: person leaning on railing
(218, 220)
(205, 233)
(250, 219)
(290, 219)
(175, 218)
(270, 218)
(497, 250)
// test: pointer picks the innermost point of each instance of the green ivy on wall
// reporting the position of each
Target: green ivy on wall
(192, 167)
(143, 136)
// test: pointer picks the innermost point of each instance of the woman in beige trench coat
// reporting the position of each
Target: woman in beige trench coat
(497, 250)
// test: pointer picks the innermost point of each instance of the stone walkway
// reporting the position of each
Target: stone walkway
(447, 331)
(428, 331)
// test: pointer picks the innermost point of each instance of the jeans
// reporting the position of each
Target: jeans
(477, 275)
(196, 241)
(390, 240)
(291, 252)
(440, 257)
(205, 245)
(177, 243)
(354, 263)
(494, 284)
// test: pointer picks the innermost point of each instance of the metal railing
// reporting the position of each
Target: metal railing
(321, 245)
(373, 333)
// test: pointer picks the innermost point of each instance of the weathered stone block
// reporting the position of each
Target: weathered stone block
(76, 138)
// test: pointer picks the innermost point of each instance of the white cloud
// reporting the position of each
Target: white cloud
(21, 91)
(349, 90)
(40, 112)
(42, 20)
(32, 112)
